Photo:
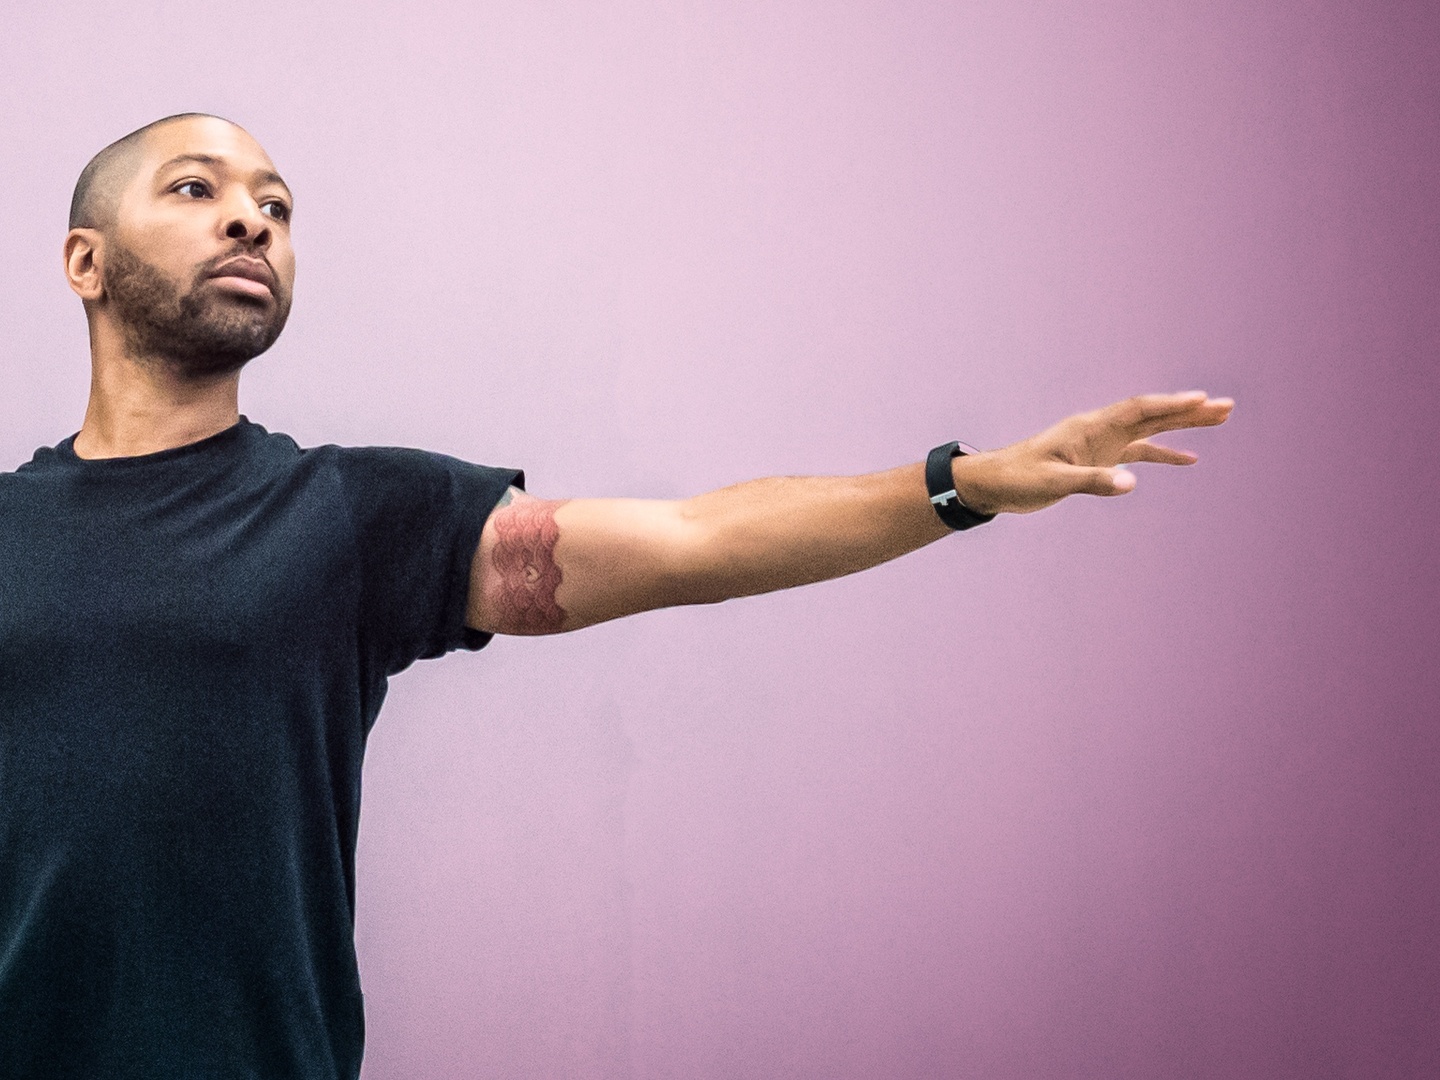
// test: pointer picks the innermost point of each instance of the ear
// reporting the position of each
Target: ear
(84, 255)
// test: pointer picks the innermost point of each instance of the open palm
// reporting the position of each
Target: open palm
(1082, 454)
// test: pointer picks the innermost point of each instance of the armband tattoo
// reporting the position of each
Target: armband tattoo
(526, 574)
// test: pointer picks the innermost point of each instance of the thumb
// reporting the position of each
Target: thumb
(1116, 481)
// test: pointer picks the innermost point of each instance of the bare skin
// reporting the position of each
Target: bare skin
(615, 557)
(207, 214)
(203, 190)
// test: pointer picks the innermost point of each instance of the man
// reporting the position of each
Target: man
(198, 619)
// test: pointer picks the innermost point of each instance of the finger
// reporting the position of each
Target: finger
(1138, 410)
(1149, 414)
(1207, 413)
(1144, 450)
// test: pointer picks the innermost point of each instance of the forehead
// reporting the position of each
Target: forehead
(203, 136)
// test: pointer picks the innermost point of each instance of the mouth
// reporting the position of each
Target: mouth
(247, 276)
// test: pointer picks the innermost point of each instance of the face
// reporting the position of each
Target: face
(197, 267)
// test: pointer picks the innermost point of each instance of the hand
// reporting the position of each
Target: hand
(1080, 454)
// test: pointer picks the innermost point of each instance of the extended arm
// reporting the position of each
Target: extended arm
(547, 566)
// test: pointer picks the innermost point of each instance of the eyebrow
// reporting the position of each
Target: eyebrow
(264, 176)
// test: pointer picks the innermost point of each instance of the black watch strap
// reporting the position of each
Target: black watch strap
(940, 482)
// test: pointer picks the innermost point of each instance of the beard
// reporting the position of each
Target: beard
(198, 331)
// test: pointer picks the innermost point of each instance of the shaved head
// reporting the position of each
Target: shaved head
(179, 245)
(97, 192)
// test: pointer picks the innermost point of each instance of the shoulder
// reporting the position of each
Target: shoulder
(39, 476)
(45, 458)
(347, 463)
(377, 464)
(396, 479)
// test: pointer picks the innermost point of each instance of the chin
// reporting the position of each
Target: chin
(224, 335)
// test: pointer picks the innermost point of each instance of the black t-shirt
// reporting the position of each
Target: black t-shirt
(193, 648)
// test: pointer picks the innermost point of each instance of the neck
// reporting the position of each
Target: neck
(142, 405)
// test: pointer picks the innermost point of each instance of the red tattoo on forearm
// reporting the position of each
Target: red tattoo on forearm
(526, 575)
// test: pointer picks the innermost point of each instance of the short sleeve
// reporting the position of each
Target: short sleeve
(417, 518)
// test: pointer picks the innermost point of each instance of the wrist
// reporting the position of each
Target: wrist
(967, 473)
(948, 484)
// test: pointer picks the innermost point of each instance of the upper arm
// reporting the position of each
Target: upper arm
(544, 566)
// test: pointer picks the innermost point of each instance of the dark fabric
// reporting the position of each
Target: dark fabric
(193, 648)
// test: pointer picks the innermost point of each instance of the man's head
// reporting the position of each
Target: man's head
(179, 243)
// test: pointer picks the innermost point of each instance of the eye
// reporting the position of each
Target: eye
(200, 188)
(276, 209)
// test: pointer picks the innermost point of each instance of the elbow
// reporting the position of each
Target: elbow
(716, 559)
(700, 563)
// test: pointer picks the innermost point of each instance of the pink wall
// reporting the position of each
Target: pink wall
(1143, 788)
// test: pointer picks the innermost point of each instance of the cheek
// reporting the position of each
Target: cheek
(155, 264)
(176, 243)
(176, 263)
(284, 265)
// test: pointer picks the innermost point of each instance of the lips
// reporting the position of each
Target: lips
(247, 275)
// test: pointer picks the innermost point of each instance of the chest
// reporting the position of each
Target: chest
(157, 579)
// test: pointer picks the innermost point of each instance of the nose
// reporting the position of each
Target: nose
(245, 222)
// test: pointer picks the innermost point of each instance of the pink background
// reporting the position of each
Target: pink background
(1133, 788)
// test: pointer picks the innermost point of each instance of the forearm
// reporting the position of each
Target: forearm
(785, 531)
(616, 557)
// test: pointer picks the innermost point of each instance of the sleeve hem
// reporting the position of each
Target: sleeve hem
(478, 506)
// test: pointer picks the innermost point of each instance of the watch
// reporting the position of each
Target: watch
(940, 482)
